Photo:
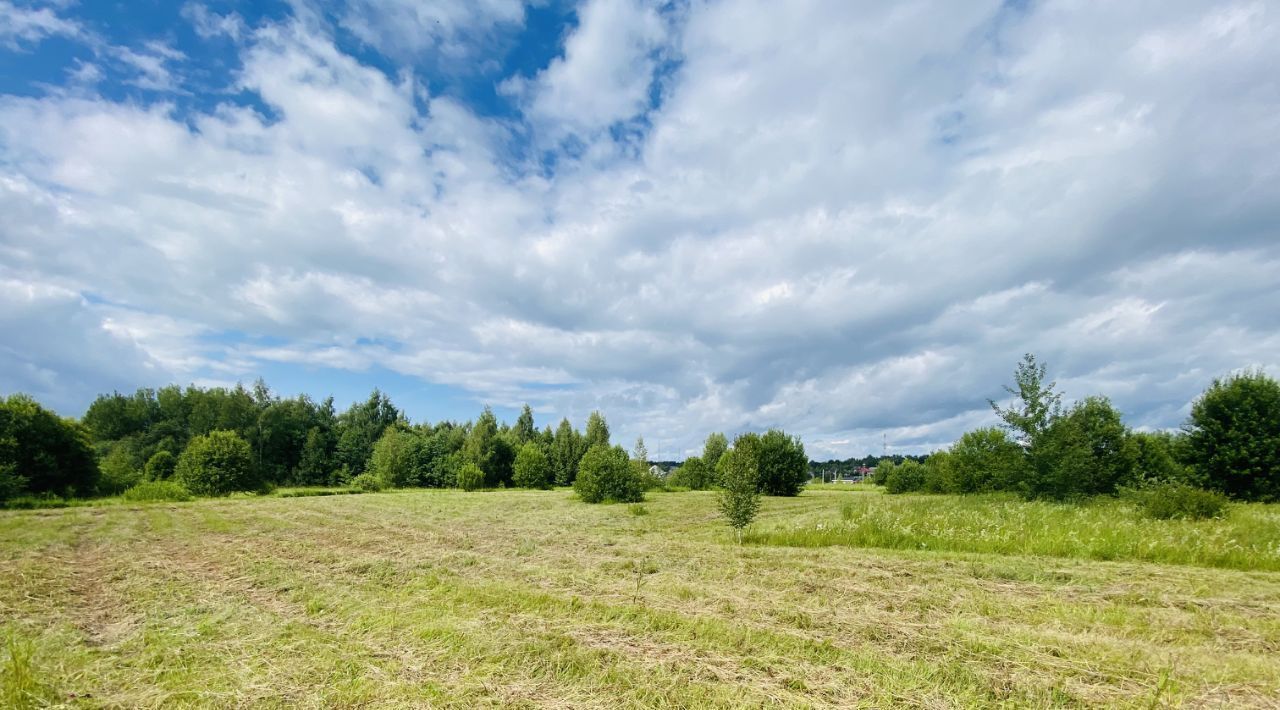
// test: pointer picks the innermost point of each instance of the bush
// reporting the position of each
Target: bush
(160, 466)
(119, 470)
(782, 464)
(470, 477)
(1085, 452)
(605, 475)
(1234, 437)
(531, 469)
(369, 482)
(694, 474)
(154, 491)
(985, 460)
(938, 474)
(906, 477)
(1167, 501)
(41, 452)
(217, 464)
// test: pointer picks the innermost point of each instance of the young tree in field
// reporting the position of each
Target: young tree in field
(740, 497)
(470, 477)
(532, 470)
(781, 464)
(714, 447)
(985, 460)
(217, 464)
(399, 458)
(597, 430)
(1038, 405)
(1234, 436)
(605, 475)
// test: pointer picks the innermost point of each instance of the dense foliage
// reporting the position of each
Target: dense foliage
(41, 452)
(217, 463)
(605, 475)
(740, 497)
(1234, 437)
(532, 469)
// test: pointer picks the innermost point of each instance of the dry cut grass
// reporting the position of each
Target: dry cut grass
(532, 599)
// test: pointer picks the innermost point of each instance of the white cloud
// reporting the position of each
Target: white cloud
(25, 26)
(852, 241)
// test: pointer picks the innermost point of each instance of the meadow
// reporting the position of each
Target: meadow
(842, 597)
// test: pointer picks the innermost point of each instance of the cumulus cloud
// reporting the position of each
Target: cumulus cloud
(848, 221)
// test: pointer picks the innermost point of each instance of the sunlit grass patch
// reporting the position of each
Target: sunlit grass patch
(1104, 529)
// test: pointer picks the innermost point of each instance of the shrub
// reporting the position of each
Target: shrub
(985, 460)
(1085, 452)
(781, 463)
(605, 475)
(906, 477)
(1234, 437)
(470, 477)
(217, 464)
(694, 474)
(369, 482)
(1165, 501)
(1156, 459)
(532, 469)
(938, 476)
(119, 470)
(160, 466)
(154, 491)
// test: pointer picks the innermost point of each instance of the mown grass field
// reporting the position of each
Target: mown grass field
(532, 599)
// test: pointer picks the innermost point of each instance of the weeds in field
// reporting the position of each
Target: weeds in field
(20, 685)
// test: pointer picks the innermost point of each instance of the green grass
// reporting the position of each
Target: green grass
(532, 599)
(1104, 529)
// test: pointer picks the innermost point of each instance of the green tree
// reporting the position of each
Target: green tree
(360, 427)
(566, 451)
(1157, 458)
(218, 463)
(605, 474)
(42, 452)
(906, 477)
(488, 450)
(1084, 452)
(740, 499)
(532, 470)
(597, 430)
(119, 469)
(1233, 436)
(985, 460)
(714, 447)
(160, 466)
(399, 458)
(694, 474)
(315, 463)
(1038, 405)
(524, 429)
(781, 464)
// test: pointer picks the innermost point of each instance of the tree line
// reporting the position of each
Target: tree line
(1229, 445)
(214, 441)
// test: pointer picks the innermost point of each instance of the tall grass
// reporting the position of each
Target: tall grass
(1105, 529)
(20, 684)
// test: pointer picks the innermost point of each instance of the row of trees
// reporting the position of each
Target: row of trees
(220, 440)
(1230, 444)
(781, 465)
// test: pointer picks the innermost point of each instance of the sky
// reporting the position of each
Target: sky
(845, 219)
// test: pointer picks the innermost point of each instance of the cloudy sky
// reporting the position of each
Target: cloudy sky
(846, 219)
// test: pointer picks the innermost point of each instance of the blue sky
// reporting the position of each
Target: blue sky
(845, 220)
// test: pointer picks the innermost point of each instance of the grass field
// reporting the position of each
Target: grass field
(530, 598)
